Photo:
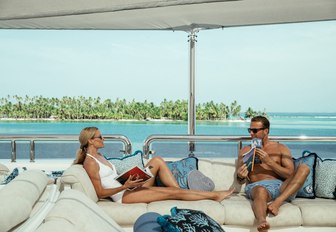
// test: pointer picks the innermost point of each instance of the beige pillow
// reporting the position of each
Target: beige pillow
(3, 169)
(4, 172)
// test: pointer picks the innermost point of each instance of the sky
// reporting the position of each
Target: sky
(276, 68)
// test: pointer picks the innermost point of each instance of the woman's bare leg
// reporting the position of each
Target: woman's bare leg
(159, 168)
(150, 194)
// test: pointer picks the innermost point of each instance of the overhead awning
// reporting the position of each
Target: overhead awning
(185, 15)
(159, 15)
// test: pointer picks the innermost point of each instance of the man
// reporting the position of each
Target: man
(274, 178)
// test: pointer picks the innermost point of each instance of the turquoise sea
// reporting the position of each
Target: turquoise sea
(291, 124)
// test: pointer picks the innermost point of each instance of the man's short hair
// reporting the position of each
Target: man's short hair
(262, 119)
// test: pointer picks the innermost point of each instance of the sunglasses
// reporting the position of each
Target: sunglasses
(254, 130)
(98, 137)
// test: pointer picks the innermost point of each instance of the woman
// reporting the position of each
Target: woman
(102, 174)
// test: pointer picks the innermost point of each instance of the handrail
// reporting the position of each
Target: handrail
(57, 137)
(218, 138)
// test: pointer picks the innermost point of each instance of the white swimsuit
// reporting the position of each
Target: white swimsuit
(107, 175)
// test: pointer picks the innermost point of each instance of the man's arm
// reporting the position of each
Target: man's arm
(241, 169)
(286, 167)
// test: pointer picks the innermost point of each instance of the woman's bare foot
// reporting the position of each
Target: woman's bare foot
(263, 226)
(273, 208)
(224, 194)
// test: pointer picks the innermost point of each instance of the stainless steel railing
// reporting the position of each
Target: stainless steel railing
(34, 138)
(191, 139)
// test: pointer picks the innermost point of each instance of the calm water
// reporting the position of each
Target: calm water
(281, 124)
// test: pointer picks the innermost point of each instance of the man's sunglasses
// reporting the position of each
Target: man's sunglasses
(254, 130)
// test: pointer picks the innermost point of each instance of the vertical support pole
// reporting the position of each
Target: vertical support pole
(191, 104)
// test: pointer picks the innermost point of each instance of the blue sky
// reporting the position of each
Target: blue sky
(279, 68)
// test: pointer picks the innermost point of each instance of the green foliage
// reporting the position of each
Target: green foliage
(78, 108)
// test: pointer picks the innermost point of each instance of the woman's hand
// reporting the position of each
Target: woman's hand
(133, 182)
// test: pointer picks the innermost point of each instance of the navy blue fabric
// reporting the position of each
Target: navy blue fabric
(11, 176)
(308, 188)
(188, 220)
(147, 223)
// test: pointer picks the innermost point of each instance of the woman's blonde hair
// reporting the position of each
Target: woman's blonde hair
(84, 136)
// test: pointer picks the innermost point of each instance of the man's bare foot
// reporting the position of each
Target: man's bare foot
(263, 226)
(273, 208)
(224, 194)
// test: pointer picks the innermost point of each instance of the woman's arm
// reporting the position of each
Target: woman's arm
(92, 169)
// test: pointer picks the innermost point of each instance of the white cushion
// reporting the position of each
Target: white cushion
(78, 179)
(84, 214)
(18, 198)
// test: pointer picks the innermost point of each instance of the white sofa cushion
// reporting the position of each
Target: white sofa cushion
(78, 179)
(317, 212)
(221, 172)
(113, 209)
(238, 211)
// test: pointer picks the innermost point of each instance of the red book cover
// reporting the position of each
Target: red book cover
(136, 172)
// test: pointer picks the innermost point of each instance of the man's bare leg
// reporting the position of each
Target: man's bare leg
(289, 187)
(260, 198)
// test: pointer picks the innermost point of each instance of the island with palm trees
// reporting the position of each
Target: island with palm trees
(89, 108)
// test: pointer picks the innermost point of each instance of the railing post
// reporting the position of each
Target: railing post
(240, 145)
(32, 151)
(13, 155)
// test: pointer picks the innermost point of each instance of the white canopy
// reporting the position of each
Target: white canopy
(186, 15)
(158, 14)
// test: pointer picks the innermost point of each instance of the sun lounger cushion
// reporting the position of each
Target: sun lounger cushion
(18, 198)
(74, 208)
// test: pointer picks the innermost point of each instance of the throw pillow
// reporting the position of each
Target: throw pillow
(188, 220)
(307, 190)
(147, 223)
(124, 163)
(180, 170)
(198, 181)
(325, 178)
(3, 169)
(11, 176)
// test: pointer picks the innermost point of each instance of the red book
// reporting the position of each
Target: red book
(136, 172)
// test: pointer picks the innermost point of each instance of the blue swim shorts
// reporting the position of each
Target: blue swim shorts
(272, 186)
